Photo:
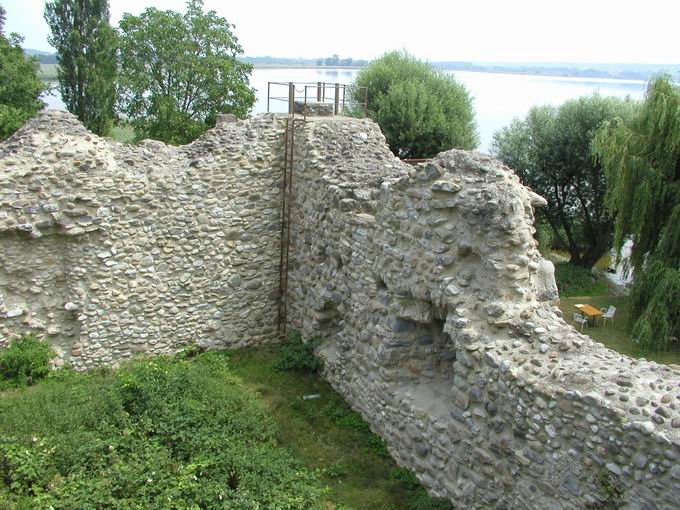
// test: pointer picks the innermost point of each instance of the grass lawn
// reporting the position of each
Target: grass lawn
(579, 286)
(327, 435)
(616, 335)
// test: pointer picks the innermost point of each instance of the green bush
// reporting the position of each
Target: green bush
(20, 87)
(299, 356)
(544, 235)
(420, 110)
(575, 281)
(165, 433)
(418, 498)
(27, 359)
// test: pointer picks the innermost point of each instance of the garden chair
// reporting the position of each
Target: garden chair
(608, 314)
(580, 319)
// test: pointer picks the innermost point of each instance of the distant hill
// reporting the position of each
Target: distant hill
(334, 61)
(565, 69)
(44, 57)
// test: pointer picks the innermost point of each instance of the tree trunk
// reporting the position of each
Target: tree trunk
(595, 250)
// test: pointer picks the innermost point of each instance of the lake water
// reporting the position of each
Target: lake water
(498, 98)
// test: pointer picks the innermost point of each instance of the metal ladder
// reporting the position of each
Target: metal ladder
(286, 194)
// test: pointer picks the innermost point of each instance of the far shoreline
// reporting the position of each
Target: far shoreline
(48, 72)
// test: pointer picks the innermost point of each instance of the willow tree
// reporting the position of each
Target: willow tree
(642, 163)
(551, 152)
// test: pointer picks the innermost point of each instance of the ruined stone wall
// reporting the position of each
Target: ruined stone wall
(435, 307)
(109, 249)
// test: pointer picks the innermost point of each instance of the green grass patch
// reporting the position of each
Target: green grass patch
(578, 285)
(201, 430)
(616, 335)
(124, 133)
(577, 281)
(327, 435)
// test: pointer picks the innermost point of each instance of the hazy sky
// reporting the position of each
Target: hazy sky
(620, 31)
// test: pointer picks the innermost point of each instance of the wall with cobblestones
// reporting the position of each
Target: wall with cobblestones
(109, 249)
(435, 306)
(439, 322)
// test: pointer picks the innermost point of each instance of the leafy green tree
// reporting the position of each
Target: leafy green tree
(179, 71)
(332, 61)
(550, 150)
(641, 157)
(20, 87)
(421, 110)
(86, 57)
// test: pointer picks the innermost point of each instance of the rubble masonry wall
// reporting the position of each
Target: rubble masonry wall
(425, 283)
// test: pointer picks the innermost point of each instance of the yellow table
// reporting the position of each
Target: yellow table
(589, 311)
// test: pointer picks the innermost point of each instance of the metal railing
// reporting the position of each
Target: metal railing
(344, 98)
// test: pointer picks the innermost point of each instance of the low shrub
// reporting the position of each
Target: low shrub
(27, 359)
(161, 433)
(299, 356)
(418, 498)
(575, 281)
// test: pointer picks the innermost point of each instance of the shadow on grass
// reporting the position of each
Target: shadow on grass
(326, 434)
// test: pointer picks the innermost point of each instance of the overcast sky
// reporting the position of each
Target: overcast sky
(617, 31)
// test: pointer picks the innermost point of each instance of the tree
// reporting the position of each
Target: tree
(550, 150)
(86, 58)
(421, 111)
(179, 71)
(332, 61)
(20, 87)
(641, 157)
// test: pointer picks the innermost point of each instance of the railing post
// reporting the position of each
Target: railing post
(318, 92)
(366, 102)
(269, 93)
(291, 97)
(304, 108)
(337, 98)
(344, 93)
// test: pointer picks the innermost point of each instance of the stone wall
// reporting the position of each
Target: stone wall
(109, 249)
(440, 328)
(436, 309)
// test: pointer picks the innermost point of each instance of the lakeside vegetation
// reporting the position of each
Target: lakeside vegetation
(609, 170)
(640, 72)
(48, 72)
(420, 110)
